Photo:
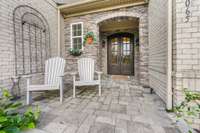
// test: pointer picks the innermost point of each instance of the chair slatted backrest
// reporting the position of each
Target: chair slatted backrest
(54, 67)
(86, 69)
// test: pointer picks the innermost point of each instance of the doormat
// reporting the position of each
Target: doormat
(119, 77)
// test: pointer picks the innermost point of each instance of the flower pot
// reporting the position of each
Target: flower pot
(75, 52)
(89, 40)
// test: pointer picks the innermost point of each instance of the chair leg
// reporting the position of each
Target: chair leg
(28, 97)
(61, 90)
(100, 90)
(61, 94)
(74, 91)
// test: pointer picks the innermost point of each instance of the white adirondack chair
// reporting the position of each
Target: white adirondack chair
(54, 73)
(86, 73)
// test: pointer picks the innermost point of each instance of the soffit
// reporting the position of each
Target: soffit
(92, 6)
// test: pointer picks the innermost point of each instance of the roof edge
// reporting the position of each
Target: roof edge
(96, 10)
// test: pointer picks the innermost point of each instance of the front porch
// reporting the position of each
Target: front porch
(124, 107)
(137, 45)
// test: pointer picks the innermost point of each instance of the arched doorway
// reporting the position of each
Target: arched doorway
(121, 54)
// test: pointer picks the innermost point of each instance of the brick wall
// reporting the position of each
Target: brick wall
(186, 47)
(7, 66)
(91, 22)
(158, 46)
(186, 50)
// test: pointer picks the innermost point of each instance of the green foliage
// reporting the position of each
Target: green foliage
(89, 34)
(191, 96)
(75, 51)
(11, 119)
(189, 108)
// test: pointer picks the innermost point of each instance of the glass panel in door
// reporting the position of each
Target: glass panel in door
(120, 54)
(127, 56)
(114, 56)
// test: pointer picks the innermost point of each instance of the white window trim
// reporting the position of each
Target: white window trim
(76, 36)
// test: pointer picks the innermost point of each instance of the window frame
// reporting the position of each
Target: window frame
(72, 37)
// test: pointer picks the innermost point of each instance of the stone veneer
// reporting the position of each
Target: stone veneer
(91, 23)
(7, 67)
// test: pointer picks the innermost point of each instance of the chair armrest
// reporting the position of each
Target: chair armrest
(99, 73)
(31, 75)
(28, 78)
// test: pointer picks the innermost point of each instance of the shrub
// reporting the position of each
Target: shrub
(189, 108)
(12, 120)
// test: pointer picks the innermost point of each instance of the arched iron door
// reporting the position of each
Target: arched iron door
(121, 54)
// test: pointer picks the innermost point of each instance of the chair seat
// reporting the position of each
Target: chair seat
(42, 87)
(87, 83)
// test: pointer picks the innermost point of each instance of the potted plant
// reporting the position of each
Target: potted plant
(89, 38)
(75, 51)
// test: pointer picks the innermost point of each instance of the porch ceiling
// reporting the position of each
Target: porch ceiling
(92, 6)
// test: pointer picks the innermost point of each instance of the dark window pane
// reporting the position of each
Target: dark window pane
(77, 30)
(77, 43)
(74, 30)
(79, 26)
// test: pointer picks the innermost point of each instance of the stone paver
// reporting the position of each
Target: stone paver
(124, 107)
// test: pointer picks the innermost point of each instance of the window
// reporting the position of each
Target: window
(77, 35)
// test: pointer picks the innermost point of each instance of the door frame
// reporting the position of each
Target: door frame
(133, 51)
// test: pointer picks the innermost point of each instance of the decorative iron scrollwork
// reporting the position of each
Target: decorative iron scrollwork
(31, 43)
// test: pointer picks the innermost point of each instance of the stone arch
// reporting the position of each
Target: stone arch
(143, 41)
(118, 14)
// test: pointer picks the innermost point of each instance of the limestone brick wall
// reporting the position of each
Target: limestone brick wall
(7, 58)
(158, 46)
(90, 23)
(186, 55)
(186, 50)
